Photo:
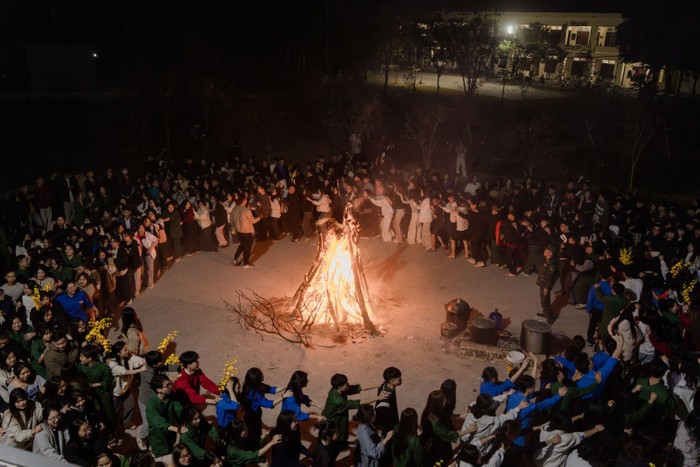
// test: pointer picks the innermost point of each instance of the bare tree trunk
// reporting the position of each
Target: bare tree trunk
(166, 113)
(386, 76)
(589, 134)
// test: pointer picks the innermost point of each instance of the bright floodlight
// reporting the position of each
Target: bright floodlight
(510, 29)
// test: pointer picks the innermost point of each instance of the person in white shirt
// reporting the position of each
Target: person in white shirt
(483, 414)
(124, 366)
(473, 186)
(470, 456)
(384, 203)
(462, 231)
(449, 207)
(323, 206)
(647, 351)
(149, 243)
(51, 441)
(12, 288)
(683, 384)
(143, 206)
(425, 218)
(554, 455)
(203, 217)
(631, 283)
(275, 215)
(687, 440)
(28, 300)
(461, 165)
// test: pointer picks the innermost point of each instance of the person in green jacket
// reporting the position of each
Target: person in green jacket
(232, 438)
(654, 383)
(100, 378)
(22, 333)
(573, 393)
(337, 407)
(406, 450)
(438, 432)
(163, 413)
(612, 306)
(37, 349)
(198, 429)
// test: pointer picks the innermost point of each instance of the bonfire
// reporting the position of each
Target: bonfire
(333, 296)
(334, 292)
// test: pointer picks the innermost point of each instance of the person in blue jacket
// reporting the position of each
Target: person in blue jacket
(594, 307)
(489, 378)
(585, 373)
(253, 400)
(294, 397)
(227, 406)
(526, 388)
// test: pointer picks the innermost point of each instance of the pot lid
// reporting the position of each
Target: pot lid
(457, 305)
(536, 326)
(483, 323)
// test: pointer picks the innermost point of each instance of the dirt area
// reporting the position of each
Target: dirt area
(409, 288)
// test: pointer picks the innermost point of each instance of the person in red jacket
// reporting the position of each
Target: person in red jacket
(191, 379)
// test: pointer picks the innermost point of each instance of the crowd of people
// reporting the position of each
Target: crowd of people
(80, 247)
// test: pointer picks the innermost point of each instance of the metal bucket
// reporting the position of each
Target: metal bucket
(448, 330)
(534, 336)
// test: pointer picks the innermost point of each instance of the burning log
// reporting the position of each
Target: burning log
(335, 291)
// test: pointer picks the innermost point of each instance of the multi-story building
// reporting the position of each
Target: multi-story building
(585, 44)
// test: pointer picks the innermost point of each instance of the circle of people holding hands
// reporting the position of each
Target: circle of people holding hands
(76, 248)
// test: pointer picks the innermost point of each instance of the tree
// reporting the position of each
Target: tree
(524, 51)
(511, 51)
(442, 38)
(474, 43)
(206, 92)
(395, 33)
(536, 144)
(422, 125)
(661, 35)
(639, 126)
(268, 119)
(364, 117)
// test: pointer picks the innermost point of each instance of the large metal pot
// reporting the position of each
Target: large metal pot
(534, 336)
(483, 331)
(457, 312)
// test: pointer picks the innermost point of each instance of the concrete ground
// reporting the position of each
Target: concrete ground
(452, 83)
(409, 288)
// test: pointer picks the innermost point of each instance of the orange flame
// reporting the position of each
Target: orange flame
(335, 290)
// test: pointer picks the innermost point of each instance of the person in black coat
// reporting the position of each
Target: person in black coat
(478, 233)
(84, 446)
(292, 218)
(286, 453)
(323, 455)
